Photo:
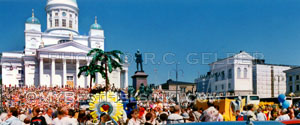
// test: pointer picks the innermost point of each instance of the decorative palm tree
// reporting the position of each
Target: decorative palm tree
(90, 70)
(102, 62)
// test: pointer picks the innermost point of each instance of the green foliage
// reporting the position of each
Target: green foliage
(102, 62)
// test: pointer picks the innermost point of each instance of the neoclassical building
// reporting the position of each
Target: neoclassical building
(52, 57)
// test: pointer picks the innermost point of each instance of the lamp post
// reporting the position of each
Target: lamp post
(176, 70)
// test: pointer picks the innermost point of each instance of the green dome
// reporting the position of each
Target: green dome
(33, 20)
(96, 26)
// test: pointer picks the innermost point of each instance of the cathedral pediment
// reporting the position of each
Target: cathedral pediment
(70, 47)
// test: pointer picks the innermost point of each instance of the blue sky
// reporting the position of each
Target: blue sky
(179, 27)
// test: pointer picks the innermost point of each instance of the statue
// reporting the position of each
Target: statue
(130, 90)
(142, 89)
(148, 90)
(139, 61)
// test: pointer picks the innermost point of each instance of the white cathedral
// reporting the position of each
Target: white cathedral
(52, 58)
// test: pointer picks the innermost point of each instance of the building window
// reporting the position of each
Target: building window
(245, 72)
(70, 15)
(222, 87)
(182, 89)
(70, 78)
(216, 76)
(216, 88)
(297, 88)
(20, 71)
(56, 14)
(223, 75)
(56, 22)
(239, 72)
(229, 73)
(297, 77)
(291, 88)
(229, 85)
(21, 82)
(70, 24)
(291, 78)
(64, 23)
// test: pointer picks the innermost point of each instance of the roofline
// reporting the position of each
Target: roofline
(292, 69)
(279, 65)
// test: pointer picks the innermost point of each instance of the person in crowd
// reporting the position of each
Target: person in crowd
(71, 115)
(239, 116)
(250, 113)
(134, 118)
(220, 116)
(210, 114)
(26, 121)
(58, 120)
(37, 118)
(22, 115)
(260, 115)
(245, 110)
(105, 119)
(195, 114)
(283, 115)
(163, 118)
(48, 116)
(175, 117)
(12, 119)
(81, 117)
(149, 119)
(291, 113)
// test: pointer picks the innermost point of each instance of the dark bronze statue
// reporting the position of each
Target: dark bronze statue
(139, 61)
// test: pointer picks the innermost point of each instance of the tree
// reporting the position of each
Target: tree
(102, 62)
(90, 70)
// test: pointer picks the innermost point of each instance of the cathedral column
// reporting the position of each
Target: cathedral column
(76, 75)
(126, 79)
(52, 72)
(64, 83)
(41, 73)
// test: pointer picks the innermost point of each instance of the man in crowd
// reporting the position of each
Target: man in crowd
(175, 117)
(37, 119)
(12, 119)
(48, 116)
(250, 113)
(260, 115)
(283, 115)
(210, 114)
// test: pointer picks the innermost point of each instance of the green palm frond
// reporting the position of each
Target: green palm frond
(100, 60)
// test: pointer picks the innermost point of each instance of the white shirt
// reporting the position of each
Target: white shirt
(73, 121)
(57, 121)
(175, 118)
(22, 117)
(134, 122)
(12, 121)
(261, 117)
(48, 119)
(250, 113)
(220, 118)
(283, 117)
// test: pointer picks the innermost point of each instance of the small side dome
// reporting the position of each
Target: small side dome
(96, 26)
(33, 20)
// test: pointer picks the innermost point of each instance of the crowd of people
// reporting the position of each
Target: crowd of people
(19, 109)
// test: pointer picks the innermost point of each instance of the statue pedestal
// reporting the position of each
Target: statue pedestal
(139, 78)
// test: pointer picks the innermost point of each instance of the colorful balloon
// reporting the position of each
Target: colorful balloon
(286, 104)
(281, 98)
